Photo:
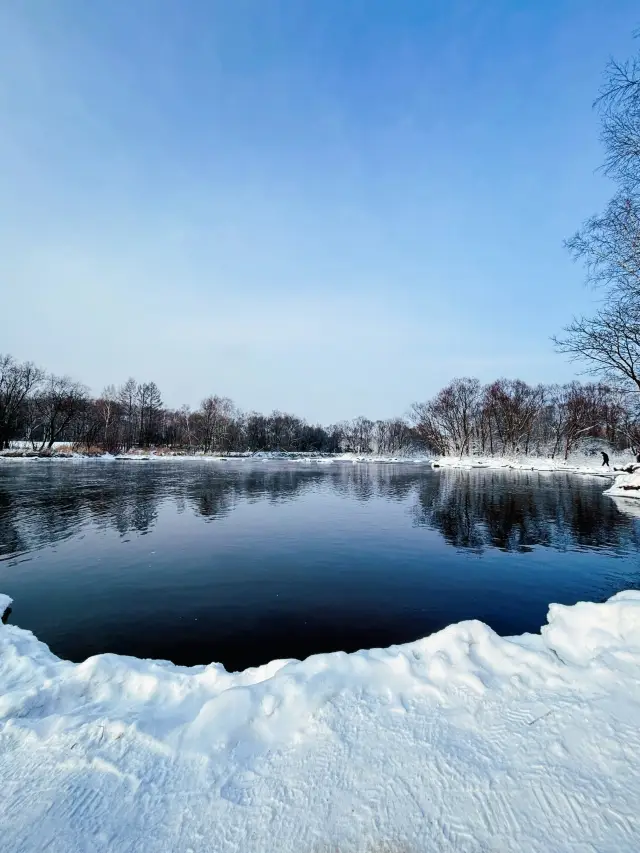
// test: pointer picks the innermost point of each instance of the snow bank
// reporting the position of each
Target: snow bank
(577, 464)
(463, 741)
(626, 485)
(28, 445)
(275, 456)
(22, 456)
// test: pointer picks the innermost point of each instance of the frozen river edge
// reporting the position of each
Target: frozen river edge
(461, 741)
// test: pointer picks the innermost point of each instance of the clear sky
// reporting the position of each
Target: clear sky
(328, 207)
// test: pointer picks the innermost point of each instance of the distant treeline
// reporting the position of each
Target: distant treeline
(503, 417)
(509, 417)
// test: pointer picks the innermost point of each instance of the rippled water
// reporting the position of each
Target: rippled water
(244, 562)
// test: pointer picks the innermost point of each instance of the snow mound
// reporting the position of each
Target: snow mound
(463, 741)
(581, 634)
(626, 485)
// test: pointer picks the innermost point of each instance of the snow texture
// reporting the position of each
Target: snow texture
(463, 741)
(626, 485)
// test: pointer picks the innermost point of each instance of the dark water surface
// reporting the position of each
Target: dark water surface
(244, 562)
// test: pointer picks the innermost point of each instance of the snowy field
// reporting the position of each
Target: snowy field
(463, 741)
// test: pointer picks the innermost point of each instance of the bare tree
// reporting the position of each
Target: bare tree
(427, 429)
(609, 248)
(619, 108)
(256, 432)
(512, 407)
(447, 423)
(107, 414)
(149, 403)
(576, 412)
(393, 435)
(381, 436)
(186, 415)
(217, 414)
(629, 424)
(17, 381)
(358, 435)
(608, 244)
(55, 407)
(609, 342)
(128, 411)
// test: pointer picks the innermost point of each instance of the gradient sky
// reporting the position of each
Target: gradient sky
(325, 207)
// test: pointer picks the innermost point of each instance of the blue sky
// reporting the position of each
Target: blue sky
(325, 207)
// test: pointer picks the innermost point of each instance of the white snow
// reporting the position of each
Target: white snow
(28, 445)
(626, 485)
(463, 741)
(577, 463)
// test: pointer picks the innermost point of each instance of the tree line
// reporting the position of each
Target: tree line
(43, 409)
(510, 417)
(504, 417)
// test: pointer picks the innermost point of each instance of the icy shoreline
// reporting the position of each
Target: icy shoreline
(463, 741)
(576, 464)
(626, 486)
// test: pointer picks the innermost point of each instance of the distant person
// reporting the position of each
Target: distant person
(605, 458)
(638, 458)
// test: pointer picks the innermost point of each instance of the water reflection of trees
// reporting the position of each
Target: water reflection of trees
(516, 511)
(51, 504)
(42, 504)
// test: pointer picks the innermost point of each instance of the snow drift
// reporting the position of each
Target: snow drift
(463, 741)
(626, 485)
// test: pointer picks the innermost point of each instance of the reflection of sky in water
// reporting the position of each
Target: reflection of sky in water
(243, 563)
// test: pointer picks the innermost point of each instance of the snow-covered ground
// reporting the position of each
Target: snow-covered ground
(626, 485)
(463, 741)
(577, 463)
(63, 453)
(28, 445)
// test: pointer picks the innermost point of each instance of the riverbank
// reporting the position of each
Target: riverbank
(462, 741)
(577, 463)
(626, 485)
